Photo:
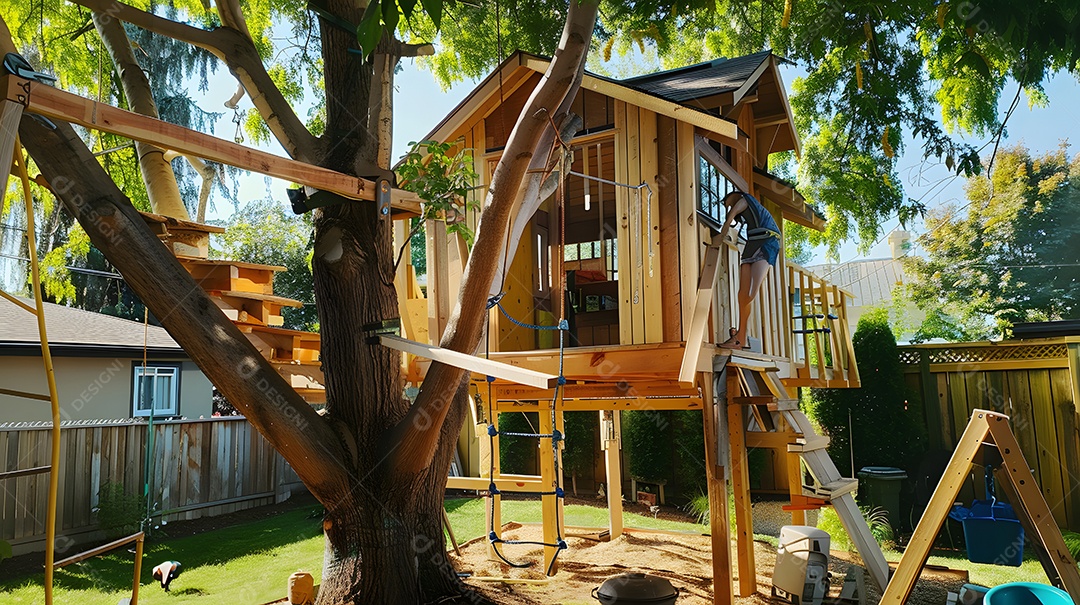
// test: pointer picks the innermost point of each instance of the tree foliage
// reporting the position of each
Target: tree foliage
(1012, 256)
(884, 415)
(877, 74)
(263, 232)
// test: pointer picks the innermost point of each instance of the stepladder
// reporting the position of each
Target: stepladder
(989, 441)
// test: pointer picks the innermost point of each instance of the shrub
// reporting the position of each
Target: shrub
(579, 457)
(119, 513)
(647, 442)
(688, 436)
(877, 519)
(885, 414)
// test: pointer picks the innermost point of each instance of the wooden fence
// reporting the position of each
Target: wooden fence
(1034, 382)
(200, 468)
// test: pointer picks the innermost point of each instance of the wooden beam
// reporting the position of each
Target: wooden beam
(611, 443)
(644, 100)
(594, 405)
(740, 485)
(25, 395)
(937, 510)
(471, 363)
(504, 484)
(700, 318)
(62, 105)
(716, 477)
(1032, 505)
(37, 470)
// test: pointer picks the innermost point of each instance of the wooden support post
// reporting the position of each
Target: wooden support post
(907, 572)
(549, 504)
(740, 483)
(794, 473)
(489, 467)
(723, 593)
(138, 569)
(610, 442)
(1032, 505)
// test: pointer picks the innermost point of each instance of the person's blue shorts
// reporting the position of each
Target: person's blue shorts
(767, 249)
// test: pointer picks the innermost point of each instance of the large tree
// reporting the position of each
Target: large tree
(1010, 254)
(376, 461)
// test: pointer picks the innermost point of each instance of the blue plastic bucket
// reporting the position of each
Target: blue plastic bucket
(1026, 593)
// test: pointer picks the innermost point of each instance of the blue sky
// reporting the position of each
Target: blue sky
(420, 103)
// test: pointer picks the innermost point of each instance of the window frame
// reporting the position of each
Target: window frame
(137, 369)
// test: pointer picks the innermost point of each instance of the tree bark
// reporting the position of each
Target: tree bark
(157, 173)
(415, 439)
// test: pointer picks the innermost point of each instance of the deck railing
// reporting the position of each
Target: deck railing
(821, 348)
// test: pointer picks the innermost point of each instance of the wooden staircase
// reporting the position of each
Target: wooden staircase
(245, 294)
(774, 410)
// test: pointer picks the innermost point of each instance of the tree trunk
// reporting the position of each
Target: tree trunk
(157, 173)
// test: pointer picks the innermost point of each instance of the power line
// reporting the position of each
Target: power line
(71, 268)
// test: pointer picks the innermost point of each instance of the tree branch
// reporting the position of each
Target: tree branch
(157, 174)
(230, 361)
(404, 49)
(238, 52)
(415, 439)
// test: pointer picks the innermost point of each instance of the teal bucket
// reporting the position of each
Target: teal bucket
(1026, 593)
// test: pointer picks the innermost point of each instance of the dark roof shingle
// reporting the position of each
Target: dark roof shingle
(701, 80)
(70, 326)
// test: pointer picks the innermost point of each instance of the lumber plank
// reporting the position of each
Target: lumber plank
(700, 315)
(471, 363)
(62, 105)
(740, 485)
(667, 192)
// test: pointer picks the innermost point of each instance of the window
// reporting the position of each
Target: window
(713, 186)
(158, 386)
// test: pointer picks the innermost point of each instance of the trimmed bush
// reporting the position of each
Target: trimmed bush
(119, 513)
(886, 414)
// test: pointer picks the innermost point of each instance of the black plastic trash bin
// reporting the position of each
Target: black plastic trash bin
(881, 487)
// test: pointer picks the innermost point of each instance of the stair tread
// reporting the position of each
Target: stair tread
(203, 262)
(279, 300)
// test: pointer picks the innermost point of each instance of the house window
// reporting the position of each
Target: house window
(155, 386)
(713, 187)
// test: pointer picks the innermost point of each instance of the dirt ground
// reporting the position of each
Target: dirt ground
(684, 560)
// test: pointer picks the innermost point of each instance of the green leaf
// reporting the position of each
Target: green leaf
(407, 7)
(370, 28)
(390, 15)
(434, 9)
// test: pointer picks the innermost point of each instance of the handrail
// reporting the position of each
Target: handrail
(137, 538)
(836, 355)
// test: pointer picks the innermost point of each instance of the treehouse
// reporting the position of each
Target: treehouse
(624, 255)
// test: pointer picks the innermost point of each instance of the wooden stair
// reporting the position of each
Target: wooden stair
(245, 294)
(829, 485)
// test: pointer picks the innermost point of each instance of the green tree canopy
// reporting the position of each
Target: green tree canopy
(1011, 254)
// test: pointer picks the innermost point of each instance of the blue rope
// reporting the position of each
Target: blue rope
(562, 325)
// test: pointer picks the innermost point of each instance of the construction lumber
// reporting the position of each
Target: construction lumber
(502, 483)
(611, 443)
(471, 363)
(719, 528)
(740, 486)
(636, 98)
(700, 318)
(61, 105)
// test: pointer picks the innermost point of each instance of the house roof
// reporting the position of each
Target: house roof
(701, 80)
(77, 332)
(870, 281)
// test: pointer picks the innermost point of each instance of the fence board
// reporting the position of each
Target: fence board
(187, 473)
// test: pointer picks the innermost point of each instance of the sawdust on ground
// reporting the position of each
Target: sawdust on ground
(683, 559)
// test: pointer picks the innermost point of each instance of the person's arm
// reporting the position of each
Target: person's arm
(736, 204)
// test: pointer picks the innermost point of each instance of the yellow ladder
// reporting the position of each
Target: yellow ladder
(38, 311)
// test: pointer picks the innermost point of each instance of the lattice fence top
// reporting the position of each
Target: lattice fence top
(969, 354)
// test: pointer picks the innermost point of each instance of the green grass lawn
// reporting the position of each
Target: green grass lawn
(250, 563)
